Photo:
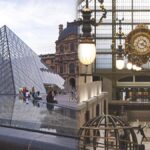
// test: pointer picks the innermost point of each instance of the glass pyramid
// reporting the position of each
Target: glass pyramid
(21, 67)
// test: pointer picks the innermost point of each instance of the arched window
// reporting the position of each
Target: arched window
(72, 48)
(61, 48)
(61, 68)
(72, 82)
(71, 68)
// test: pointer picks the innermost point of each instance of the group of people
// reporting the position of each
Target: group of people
(33, 95)
(26, 95)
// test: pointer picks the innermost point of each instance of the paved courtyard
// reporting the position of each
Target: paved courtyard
(16, 112)
(66, 100)
(38, 117)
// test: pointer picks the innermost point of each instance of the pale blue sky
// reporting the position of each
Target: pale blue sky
(36, 21)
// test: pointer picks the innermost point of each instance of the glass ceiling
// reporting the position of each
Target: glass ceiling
(134, 12)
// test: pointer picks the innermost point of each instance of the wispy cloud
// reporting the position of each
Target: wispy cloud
(36, 21)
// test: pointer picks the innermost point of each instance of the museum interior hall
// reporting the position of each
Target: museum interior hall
(120, 30)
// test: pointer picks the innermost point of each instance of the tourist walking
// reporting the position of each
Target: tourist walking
(141, 131)
(50, 100)
(33, 92)
(27, 96)
(24, 93)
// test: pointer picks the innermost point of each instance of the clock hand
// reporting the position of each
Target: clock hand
(145, 43)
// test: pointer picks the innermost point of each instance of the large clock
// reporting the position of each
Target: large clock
(141, 43)
(137, 41)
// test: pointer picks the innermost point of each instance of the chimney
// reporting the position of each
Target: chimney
(60, 28)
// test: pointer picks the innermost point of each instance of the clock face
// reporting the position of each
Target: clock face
(137, 41)
(141, 44)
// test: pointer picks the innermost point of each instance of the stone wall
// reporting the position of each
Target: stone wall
(88, 108)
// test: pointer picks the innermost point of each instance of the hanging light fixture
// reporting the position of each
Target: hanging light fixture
(129, 63)
(120, 58)
(86, 52)
(120, 63)
(86, 46)
(134, 62)
(134, 66)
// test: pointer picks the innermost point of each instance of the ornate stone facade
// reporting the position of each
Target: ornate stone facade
(49, 60)
(65, 60)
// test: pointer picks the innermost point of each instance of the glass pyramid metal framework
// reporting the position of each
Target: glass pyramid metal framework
(21, 67)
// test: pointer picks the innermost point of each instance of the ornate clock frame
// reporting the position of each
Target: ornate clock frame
(137, 44)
